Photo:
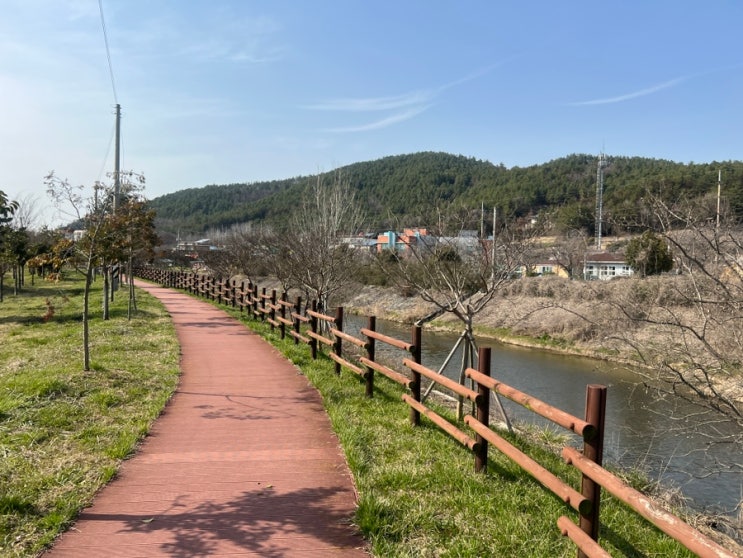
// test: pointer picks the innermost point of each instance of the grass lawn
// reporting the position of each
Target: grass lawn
(64, 431)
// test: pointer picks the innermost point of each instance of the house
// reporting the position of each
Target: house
(548, 267)
(603, 266)
(467, 242)
(193, 249)
(359, 242)
(401, 243)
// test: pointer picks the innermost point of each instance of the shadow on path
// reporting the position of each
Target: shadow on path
(250, 522)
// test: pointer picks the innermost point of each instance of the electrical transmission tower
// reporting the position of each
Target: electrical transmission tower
(600, 198)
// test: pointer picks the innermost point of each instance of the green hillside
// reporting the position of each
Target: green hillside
(408, 189)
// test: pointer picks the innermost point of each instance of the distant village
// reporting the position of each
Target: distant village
(601, 265)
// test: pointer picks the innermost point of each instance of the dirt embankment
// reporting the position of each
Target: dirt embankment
(638, 321)
(545, 312)
(653, 323)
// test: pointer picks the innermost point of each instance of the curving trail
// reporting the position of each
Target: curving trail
(242, 462)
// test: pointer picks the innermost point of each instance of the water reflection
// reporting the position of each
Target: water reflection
(641, 430)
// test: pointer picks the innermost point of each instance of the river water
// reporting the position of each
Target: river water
(643, 430)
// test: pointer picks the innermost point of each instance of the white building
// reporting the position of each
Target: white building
(603, 266)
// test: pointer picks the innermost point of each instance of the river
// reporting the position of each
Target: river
(643, 430)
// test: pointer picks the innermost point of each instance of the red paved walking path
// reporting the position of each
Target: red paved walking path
(243, 461)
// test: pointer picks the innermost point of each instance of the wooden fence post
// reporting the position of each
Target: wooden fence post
(255, 304)
(282, 313)
(297, 324)
(313, 328)
(262, 304)
(415, 416)
(483, 410)
(338, 344)
(593, 449)
(241, 294)
(371, 325)
(272, 313)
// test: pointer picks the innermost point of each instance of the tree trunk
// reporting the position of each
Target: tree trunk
(114, 280)
(86, 308)
(132, 306)
(465, 358)
(106, 287)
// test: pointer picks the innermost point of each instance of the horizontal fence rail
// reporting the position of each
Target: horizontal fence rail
(663, 520)
(556, 416)
(316, 329)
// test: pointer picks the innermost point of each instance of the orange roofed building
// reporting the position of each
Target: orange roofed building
(400, 243)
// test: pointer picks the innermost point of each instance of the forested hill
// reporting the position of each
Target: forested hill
(408, 188)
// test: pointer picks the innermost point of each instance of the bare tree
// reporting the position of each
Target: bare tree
(318, 260)
(699, 312)
(569, 250)
(28, 214)
(459, 272)
(241, 253)
(274, 249)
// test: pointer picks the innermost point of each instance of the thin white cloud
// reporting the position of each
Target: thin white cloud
(373, 104)
(633, 95)
(243, 40)
(419, 101)
(412, 98)
(469, 77)
(383, 123)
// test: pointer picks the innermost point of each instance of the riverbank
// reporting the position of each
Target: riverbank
(638, 322)
(530, 314)
(417, 493)
(565, 317)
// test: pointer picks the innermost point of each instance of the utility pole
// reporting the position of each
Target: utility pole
(117, 160)
(117, 194)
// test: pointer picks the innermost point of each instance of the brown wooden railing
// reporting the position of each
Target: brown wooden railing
(305, 327)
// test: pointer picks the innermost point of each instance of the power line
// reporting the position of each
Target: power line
(108, 51)
(108, 152)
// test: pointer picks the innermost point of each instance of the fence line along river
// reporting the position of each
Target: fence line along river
(643, 430)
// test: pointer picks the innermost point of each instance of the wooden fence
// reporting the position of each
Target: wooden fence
(318, 330)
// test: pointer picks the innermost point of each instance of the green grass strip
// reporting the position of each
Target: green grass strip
(63, 431)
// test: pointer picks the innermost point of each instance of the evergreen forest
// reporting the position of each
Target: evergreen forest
(409, 190)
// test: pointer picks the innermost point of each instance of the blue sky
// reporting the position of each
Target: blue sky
(222, 91)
